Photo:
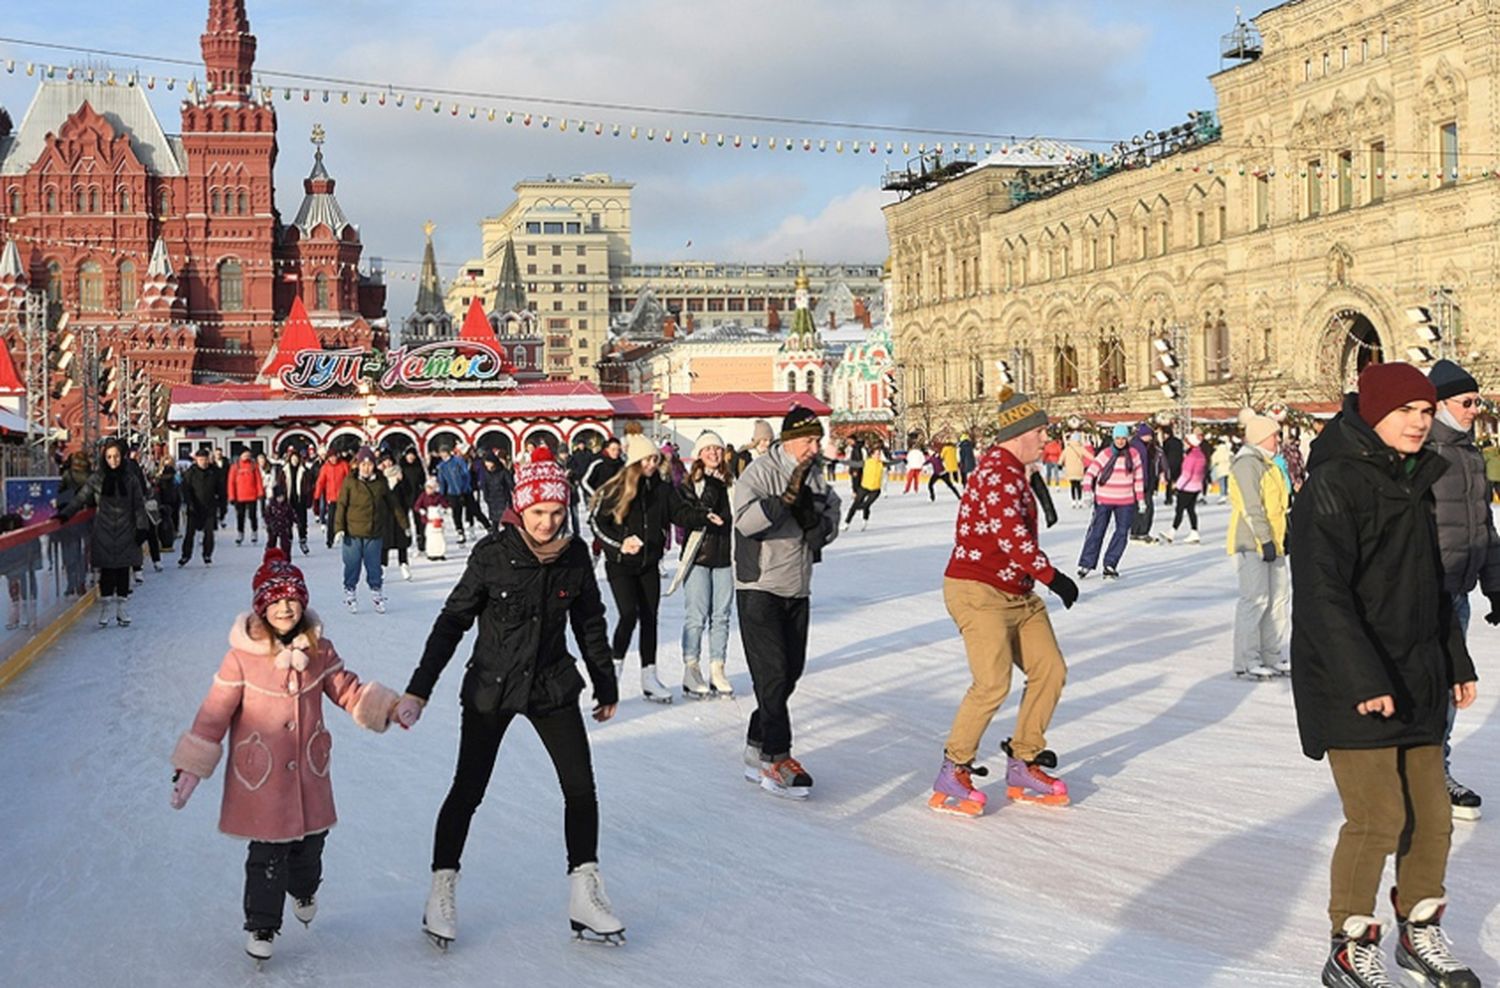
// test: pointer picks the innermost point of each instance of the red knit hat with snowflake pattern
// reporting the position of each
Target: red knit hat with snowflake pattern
(277, 579)
(541, 480)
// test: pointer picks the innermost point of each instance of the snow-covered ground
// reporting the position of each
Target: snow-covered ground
(1195, 853)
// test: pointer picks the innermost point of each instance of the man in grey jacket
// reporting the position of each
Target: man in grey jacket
(1257, 541)
(784, 514)
(1467, 540)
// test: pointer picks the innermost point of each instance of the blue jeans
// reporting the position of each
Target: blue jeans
(1461, 609)
(1123, 515)
(708, 595)
(368, 552)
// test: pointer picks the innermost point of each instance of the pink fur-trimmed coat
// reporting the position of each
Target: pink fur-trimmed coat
(269, 699)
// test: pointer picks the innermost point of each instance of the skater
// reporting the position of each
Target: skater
(966, 462)
(784, 515)
(365, 511)
(1377, 656)
(331, 477)
(988, 589)
(601, 470)
(761, 437)
(708, 590)
(938, 465)
(1145, 444)
(856, 466)
(871, 483)
(525, 586)
(279, 520)
(245, 492)
(1115, 475)
(1191, 474)
(169, 501)
(1218, 467)
(455, 484)
(268, 697)
(1173, 452)
(221, 473)
(114, 547)
(200, 500)
(1469, 546)
(395, 537)
(1257, 543)
(431, 509)
(498, 486)
(299, 480)
(629, 517)
(1075, 462)
(916, 459)
(414, 482)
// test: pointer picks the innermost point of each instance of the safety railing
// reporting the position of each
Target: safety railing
(46, 569)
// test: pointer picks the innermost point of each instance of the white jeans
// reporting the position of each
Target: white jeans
(1260, 618)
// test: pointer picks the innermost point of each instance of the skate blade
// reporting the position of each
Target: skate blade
(705, 695)
(1468, 814)
(1018, 795)
(657, 697)
(441, 943)
(940, 802)
(584, 934)
(786, 792)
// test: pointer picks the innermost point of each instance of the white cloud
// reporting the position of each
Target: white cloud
(849, 228)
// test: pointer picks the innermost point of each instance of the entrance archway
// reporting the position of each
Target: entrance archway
(1360, 346)
(495, 439)
(441, 438)
(346, 442)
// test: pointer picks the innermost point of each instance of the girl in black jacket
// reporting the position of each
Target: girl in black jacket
(524, 585)
(708, 588)
(629, 517)
(121, 516)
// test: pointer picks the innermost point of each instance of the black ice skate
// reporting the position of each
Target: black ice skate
(1422, 947)
(1355, 959)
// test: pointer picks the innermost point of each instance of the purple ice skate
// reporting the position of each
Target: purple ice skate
(1027, 782)
(954, 791)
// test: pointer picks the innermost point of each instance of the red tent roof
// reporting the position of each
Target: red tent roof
(10, 382)
(477, 329)
(741, 404)
(296, 334)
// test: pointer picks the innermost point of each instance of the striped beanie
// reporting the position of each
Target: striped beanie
(1018, 415)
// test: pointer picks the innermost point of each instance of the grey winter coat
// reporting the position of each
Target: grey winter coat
(1467, 539)
(119, 522)
(777, 544)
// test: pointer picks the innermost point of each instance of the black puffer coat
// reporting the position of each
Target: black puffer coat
(1369, 614)
(646, 519)
(690, 507)
(1466, 531)
(521, 660)
(119, 520)
(200, 494)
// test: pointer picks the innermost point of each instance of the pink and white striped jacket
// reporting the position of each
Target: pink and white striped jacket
(1123, 486)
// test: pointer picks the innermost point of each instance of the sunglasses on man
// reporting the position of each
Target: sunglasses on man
(1466, 403)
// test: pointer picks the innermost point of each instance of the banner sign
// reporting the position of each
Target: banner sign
(31, 498)
(448, 365)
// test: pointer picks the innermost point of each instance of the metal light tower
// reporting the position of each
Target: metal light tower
(1173, 374)
(88, 373)
(38, 382)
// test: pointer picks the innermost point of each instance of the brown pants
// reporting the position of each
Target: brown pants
(1395, 802)
(1001, 630)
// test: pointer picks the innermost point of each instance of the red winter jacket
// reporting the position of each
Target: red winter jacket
(331, 480)
(244, 482)
(996, 534)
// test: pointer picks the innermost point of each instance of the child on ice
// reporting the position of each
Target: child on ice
(430, 506)
(279, 519)
(268, 696)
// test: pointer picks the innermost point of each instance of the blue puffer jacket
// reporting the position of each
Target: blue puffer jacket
(453, 476)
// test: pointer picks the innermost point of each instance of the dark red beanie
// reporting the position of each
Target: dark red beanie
(1383, 388)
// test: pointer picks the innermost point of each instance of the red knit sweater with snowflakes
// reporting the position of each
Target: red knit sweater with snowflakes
(996, 534)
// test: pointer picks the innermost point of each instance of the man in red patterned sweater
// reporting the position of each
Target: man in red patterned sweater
(988, 589)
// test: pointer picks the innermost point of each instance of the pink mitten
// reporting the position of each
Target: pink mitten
(408, 711)
(182, 788)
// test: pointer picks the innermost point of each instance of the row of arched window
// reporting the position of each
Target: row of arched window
(223, 202)
(86, 199)
(92, 296)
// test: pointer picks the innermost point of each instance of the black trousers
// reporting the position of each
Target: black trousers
(1076, 487)
(330, 509)
(862, 502)
(274, 871)
(114, 581)
(471, 504)
(419, 529)
(152, 538)
(637, 597)
(567, 744)
(243, 510)
(774, 632)
(1187, 503)
(299, 520)
(1140, 528)
(399, 550)
(946, 478)
(204, 525)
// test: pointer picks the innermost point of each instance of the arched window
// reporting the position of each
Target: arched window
(127, 286)
(93, 198)
(164, 203)
(54, 283)
(215, 202)
(1111, 363)
(80, 200)
(123, 200)
(1065, 367)
(51, 199)
(320, 291)
(15, 202)
(231, 286)
(812, 383)
(91, 287)
(244, 203)
(791, 380)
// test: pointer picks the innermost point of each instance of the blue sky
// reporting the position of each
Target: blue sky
(1068, 68)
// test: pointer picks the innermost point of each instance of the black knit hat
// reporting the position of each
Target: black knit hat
(800, 422)
(1018, 415)
(1450, 379)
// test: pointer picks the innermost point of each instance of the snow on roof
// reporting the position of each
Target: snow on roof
(741, 404)
(634, 406)
(1033, 153)
(125, 107)
(193, 405)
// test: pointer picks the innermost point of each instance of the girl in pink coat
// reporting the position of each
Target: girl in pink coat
(268, 696)
(1190, 483)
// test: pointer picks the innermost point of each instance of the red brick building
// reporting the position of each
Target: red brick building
(171, 245)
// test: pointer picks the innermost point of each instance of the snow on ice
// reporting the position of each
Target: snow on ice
(1195, 853)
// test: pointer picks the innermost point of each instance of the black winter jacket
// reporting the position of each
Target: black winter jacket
(520, 660)
(298, 480)
(647, 520)
(1466, 531)
(690, 509)
(1369, 614)
(119, 520)
(200, 494)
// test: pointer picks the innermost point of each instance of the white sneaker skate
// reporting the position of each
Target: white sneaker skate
(1283, 667)
(305, 909)
(106, 604)
(122, 616)
(652, 688)
(592, 917)
(351, 601)
(1192, 538)
(440, 918)
(752, 764)
(258, 946)
(379, 603)
(692, 680)
(1258, 672)
(405, 571)
(1166, 537)
(718, 680)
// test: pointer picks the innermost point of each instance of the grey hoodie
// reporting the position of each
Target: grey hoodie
(772, 552)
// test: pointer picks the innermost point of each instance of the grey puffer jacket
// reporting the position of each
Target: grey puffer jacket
(1467, 539)
(777, 544)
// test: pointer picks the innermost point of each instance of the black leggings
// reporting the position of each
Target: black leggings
(1187, 503)
(274, 871)
(862, 502)
(114, 581)
(637, 596)
(567, 743)
(243, 510)
(946, 478)
(399, 550)
(1076, 486)
(152, 539)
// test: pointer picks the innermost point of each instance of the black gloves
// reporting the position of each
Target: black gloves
(1268, 551)
(1493, 617)
(794, 483)
(1044, 499)
(806, 511)
(1065, 588)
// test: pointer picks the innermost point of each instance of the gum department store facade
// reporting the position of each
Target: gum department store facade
(1355, 174)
